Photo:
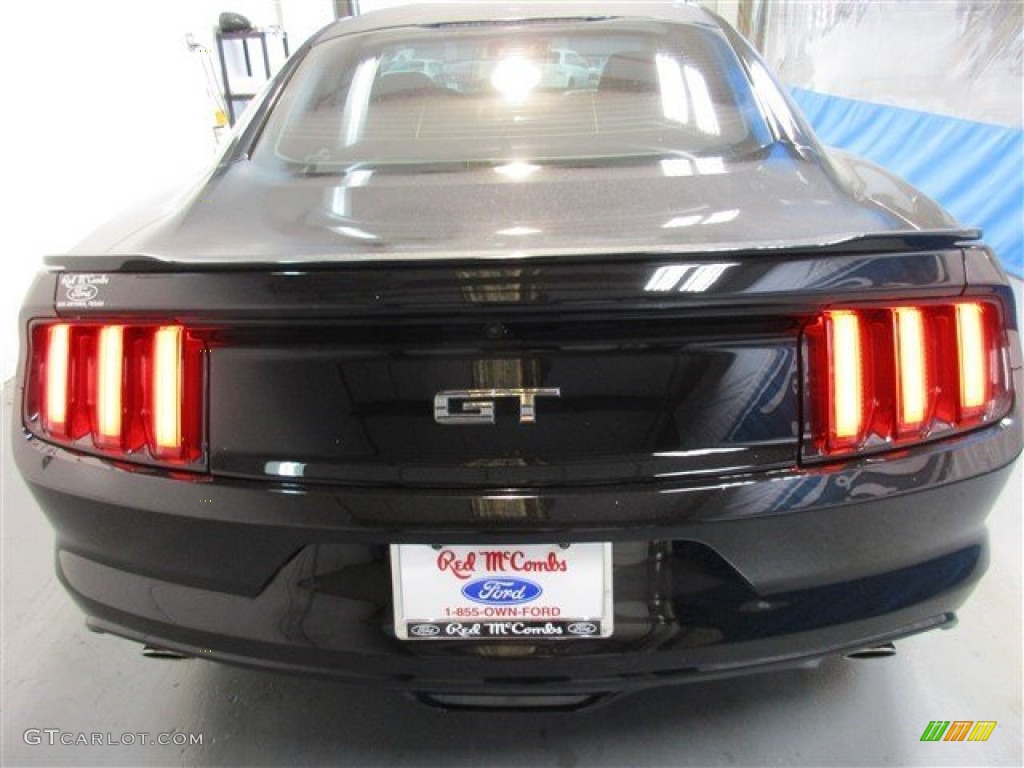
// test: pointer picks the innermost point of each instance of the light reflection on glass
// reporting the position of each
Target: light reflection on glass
(707, 121)
(515, 77)
(673, 92)
(358, 102)
(765, 88)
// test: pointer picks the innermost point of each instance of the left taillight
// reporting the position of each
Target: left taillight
(123, 390)
(886, 377)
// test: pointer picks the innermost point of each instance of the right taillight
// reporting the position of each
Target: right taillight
(128, 391)
(883, 377)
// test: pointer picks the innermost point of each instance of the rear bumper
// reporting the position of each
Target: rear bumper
(755, 571)
(671, 654)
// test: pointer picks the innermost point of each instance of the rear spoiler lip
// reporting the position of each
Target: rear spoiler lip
(895, 241)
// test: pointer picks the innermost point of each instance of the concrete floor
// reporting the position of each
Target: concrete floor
(56, 675)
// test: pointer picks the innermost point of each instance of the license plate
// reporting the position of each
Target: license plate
(527, 592)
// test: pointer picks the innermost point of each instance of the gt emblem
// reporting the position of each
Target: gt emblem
(476, 406)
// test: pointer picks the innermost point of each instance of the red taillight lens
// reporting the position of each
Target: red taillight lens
(884, 377)
(914, 392)
(847, 406)
(128, 391)
(109, 370)
(974, 357)
(56, 373)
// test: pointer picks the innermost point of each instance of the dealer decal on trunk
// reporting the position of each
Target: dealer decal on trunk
(78, 291)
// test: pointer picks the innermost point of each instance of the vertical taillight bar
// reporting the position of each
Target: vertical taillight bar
(57, 372)
(167, 391)
(973, 359)
(109, 372)
(846, 383)
(913, 393)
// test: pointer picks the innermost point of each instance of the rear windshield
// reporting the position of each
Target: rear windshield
(553, 91)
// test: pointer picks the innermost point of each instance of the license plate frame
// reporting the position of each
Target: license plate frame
(502, 592)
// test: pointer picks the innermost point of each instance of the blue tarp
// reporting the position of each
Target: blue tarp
(974, 170)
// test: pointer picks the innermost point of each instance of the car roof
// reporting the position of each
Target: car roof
(433, 14)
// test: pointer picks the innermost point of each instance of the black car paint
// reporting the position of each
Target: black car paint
(726, 561)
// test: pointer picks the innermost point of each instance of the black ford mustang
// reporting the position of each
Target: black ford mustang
(509, 385)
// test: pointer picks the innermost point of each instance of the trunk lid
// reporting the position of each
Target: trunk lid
(666, 370)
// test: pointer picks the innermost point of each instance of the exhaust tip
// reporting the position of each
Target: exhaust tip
(156, 652)
(883, 651)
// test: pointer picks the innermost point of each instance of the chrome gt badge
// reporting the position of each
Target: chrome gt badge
(476, 406)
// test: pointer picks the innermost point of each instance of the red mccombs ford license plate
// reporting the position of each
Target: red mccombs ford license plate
(470, 592)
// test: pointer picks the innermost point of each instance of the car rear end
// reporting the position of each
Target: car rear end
(233, 483)
(527, 398)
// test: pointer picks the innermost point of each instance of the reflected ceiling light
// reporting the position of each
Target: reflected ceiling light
(354, 232)
(677, 166)
(673, 91)
(686, 278)
(694, 453)
(285, 468)
(358, 102)
(515, 77)
(665, 279)
(705, 276)
(339, 201)
(775, 103)
(707, 120)
(720, 217)
(358, 178)
(339, 204)
(709, 166)
(518, 231)
(681, 221)
(517, 170)
(696, 166)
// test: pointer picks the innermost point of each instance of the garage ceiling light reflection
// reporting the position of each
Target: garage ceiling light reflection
(674, 103)
(339, 197)
(692, 166)
(515, 78)
(686, 278)
(718, 217)
(517, 170)
(358, 102)
(518, 231)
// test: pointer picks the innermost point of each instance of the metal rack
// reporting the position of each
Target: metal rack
(231, 97)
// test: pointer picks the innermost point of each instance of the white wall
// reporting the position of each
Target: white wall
(304, 17)
(955, 58)
(104, 105)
